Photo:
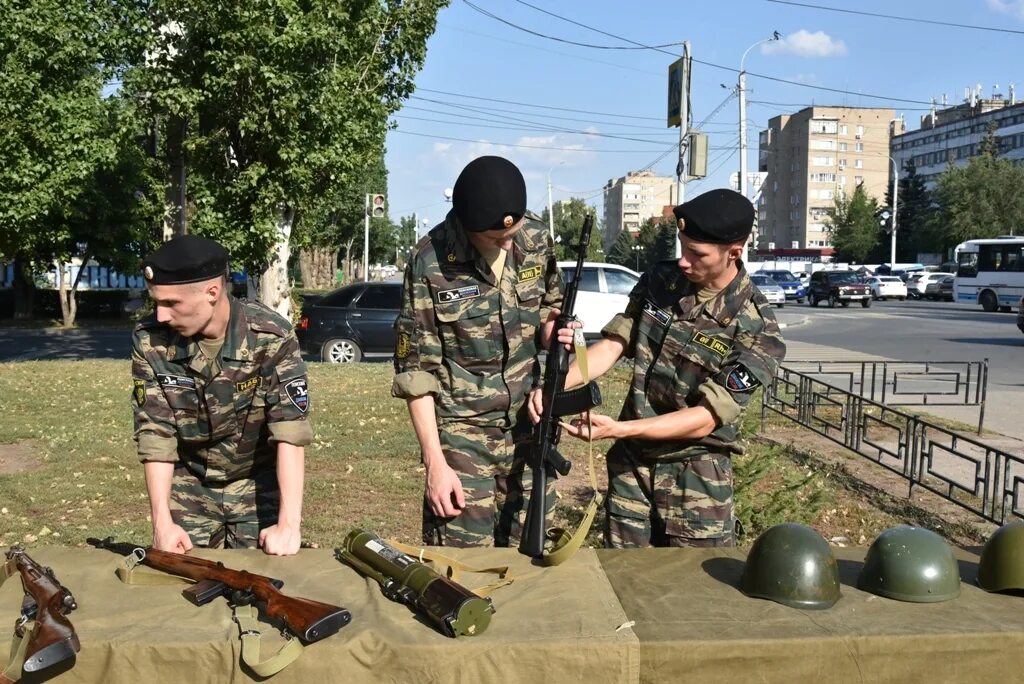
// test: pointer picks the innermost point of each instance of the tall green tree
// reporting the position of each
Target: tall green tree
(980, 200)
(852, 224)
(621, 251)
(569, 216)
(285, 103)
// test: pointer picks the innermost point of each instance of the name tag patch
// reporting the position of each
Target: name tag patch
(298, 392)
(531, 273)
(657, 314)
(458, 294)
(712, 343)
(247, 385)
(176, 381)
(738, 378)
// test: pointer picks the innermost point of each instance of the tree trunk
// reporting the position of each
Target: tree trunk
(24, 289)
(318, 266)
(306, 267)
(350, 265)
(275, 291)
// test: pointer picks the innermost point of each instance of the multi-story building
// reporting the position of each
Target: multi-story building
(954, 134)
(632, 199)
(810, 157)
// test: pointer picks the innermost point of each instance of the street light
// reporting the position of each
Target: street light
(895, 193)
(551, 207)
(741, 88)
(637, 249)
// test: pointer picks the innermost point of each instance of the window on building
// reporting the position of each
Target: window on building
(858, 163)
(858, 180)
(859, 147)
(842, 147)
(842, 130)
(826, 194)
(823, 178)
(824, 126)
(860, 131)
(823, 161)
(823, 144)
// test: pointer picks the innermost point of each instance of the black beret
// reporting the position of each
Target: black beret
(720, 216)
(185, 259)
(490, 194)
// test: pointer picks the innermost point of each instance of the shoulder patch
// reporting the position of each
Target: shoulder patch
(298, 392)
(738, 378)
(139, 392)
(262, 318)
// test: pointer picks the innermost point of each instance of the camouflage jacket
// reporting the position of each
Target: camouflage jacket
(685, 351)
(468, 339)
(223, 427)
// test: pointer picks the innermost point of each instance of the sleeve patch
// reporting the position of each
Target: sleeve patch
(139, 392)
(298, 392)
(403, 346)
(738, 378)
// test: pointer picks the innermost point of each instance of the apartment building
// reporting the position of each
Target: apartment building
(632, 199)
(810, 157)
(954, 134)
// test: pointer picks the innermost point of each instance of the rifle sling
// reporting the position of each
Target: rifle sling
(19, 645)
(128, 571)
(454, 567)
(565, 545)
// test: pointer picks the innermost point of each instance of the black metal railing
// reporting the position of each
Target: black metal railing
(964, 470)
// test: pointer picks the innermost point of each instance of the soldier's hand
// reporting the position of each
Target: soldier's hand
(601, 427)
(171, 538)
(535, 404)
(444, 491)
(280, 540)
(565, 335)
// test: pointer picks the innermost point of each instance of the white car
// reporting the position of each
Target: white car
(885, 287)
(918, 283)
(604, 291)
(770, 289)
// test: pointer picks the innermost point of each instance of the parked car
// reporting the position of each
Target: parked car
(838, 287)
(770, 289)
(917, 285)
(790, 284)
(351, 323)
(1020, 315)
(940, 288)
(603, 292)
(886, 287)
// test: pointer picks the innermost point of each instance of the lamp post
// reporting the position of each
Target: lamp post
(741, 89)
(895, 194)
(637, 249)
(551, 207)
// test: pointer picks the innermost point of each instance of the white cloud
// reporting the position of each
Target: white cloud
(1014, 7)
(803, 43)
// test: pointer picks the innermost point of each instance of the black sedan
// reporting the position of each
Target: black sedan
(351, 323)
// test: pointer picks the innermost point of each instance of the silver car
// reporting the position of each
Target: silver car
(770, 289)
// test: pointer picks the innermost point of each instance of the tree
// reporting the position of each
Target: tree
(569, 216)
(285, 104)
(852, 224)
(980, 200)
(621, 252)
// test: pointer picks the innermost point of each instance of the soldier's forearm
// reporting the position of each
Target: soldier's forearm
(689, 423)
(291, 470)
(424, 422)
(601, 356)
(158, 485)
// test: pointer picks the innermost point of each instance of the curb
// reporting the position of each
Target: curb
(803, 321)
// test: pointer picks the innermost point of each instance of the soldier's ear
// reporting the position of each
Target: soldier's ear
(734, 251)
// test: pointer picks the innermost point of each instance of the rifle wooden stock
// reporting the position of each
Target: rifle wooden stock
(307, 619)
(53, 639)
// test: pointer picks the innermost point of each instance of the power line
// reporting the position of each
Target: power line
(914, 20)
(528, 104)
(504, 114)
(804, 105)
(535, 129)
(658, 48)
(530, 147)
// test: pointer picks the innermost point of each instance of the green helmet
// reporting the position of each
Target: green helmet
(793, 565)
(1002, 560)
(911, 564)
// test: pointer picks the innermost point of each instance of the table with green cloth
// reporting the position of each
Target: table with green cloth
(604, 616)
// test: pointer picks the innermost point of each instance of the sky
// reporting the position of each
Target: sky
(584, 115)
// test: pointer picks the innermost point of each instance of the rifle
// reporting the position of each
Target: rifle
(47, 602)
(308, 620)
(545, 460)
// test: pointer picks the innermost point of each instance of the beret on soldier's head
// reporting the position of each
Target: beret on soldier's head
(185, 259)
(720, 216)
(490, 194)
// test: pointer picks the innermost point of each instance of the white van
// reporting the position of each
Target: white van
(604, 291)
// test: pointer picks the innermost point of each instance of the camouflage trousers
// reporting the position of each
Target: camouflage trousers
(225, 515)
(683, 503)
(496, 482)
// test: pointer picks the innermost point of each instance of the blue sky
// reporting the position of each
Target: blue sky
(476, 56)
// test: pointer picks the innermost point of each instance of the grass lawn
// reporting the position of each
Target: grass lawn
(68, 468)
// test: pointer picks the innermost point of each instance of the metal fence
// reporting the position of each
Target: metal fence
(978, 477)
(907, 383)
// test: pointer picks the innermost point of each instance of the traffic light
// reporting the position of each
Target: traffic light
(377, 206)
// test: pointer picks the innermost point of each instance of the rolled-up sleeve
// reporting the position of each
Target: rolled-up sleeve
(288, 399)
(418, 343)
(155, 430)
(752, 364)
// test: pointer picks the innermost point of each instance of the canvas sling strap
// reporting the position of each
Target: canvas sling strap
(130, 572)
(455, 567)
(22, 636)
(563, 544)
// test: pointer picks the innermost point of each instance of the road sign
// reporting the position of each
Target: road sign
(675, 92)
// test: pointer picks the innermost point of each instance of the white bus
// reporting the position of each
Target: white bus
(990, 273)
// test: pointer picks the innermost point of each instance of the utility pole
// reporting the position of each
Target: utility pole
(366, 240)
(895, 193)
(684, 131)
(551, 210)
(741, 88)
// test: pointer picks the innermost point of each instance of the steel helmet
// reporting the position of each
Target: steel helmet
(793, 565)
(910, 564)
(1002, 560)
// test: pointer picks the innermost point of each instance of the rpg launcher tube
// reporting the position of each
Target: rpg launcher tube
(456, 610)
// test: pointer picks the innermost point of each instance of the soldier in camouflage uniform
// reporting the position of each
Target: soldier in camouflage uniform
(481, 291)
(221, 401)
(702, 339)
